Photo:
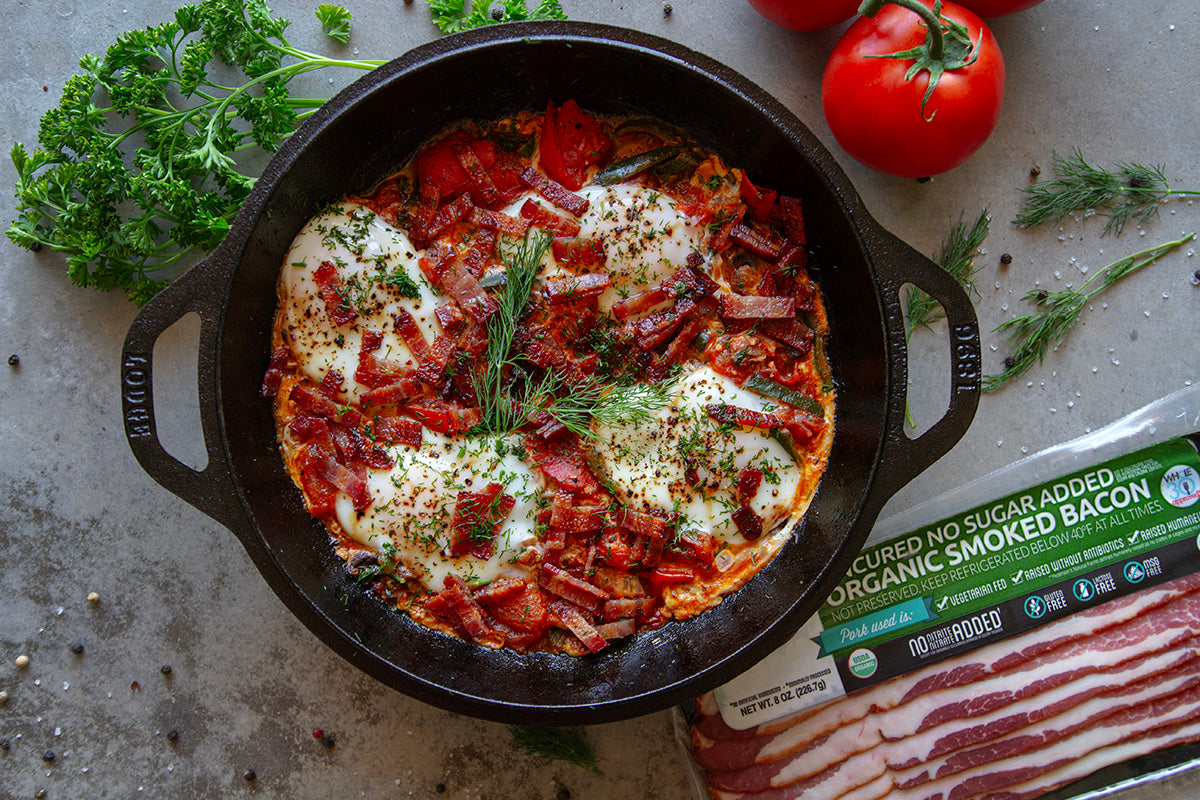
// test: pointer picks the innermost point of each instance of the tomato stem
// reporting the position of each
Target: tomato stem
(932, 17)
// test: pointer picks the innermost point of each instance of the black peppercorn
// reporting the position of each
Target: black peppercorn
(5, 744)
(249, 775)
(667, 9)
(1010, 362)
(497, 14)
(328, 741)
(14, 360)
(40, 794)
(924, 179)
(1034, 171)
(165, 669)
(172, 735)
(1006, 258)
(49, 756)
(77, 649)
(1042, 295)
(441, 788)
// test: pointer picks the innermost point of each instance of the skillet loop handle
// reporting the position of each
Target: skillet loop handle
(211, 490)
(903, 458)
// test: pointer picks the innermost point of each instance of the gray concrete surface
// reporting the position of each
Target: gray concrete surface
(247, 683)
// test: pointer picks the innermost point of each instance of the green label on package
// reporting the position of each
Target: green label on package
(988, 573)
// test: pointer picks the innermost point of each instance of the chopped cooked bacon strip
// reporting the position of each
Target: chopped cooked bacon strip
(577, 252)
(477, 517)
(792, 256)
(623, 607)
(564, 465)
(683, 282)
(447, 272)
(618, 582)
(410, 332)
(333, 292)
(756, 242)
(460, 602)
(331, 384)
(618, 629)
(749, 524)
(805, 295)
(496, 221)
(748, 481)
(683, 340)
(317, 403)
(548, 220)
(428, 199)
(555, 192)
(642, 523)
(482, 188)
(398, 429)
(274, 375)
(446, 216)
(571, 518)
(394, 393)
(792, 214)
(375, 371)
(744, 417)
(433, 365)
(562, 583)
(322, 463)
(578, 287)
(740, 306)
(574, 621)
(655, 328)
(499, 589)
(802, 426)
(476, 259)
(792, 332)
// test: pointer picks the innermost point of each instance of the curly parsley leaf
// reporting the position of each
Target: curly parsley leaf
(452, 16)
(335, 22)
(128, 189)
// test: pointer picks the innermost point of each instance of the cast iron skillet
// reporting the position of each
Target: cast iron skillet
(370, 129)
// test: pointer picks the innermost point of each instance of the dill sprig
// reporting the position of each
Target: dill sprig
(607, 404)
(957, 257)
(1037, 331)
(560, 744)
(1130, 191)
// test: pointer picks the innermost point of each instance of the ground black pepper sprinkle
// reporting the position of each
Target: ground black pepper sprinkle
(1006, 258)
(77, 649)
(14, 360)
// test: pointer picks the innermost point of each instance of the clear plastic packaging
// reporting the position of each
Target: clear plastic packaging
(1173, 772)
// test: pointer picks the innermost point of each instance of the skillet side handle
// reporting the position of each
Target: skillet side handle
(211, 490)
(903, 458)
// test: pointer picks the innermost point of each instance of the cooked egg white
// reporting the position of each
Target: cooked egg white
(365, 250)
(646, 238)
(646, 463)
(413, 506)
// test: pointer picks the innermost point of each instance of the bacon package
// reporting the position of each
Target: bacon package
(1079, 658)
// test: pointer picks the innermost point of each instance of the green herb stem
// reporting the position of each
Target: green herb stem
(1036, 332)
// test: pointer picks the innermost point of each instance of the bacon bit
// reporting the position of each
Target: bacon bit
(619, 582)
(805, 295)
(333, 292)
(374, 371)
(567, 616)
(548, 220)
(740, 306)
(450, 275)
(460, 602)
(720, 240)
(446, 216)
(555, 192)
(654, 551)
(274, 375)
(477, 257)
(579, 252)
(792, 257)
(408, 330)
(563, 462)
(371, 340)
(524, 610)
(497, 590)
(748, 523)
(655, 328)
(496, 221)
(792, 214)
(331, 384)
(308, 428)
(398, 429)
(318, 462)
(427, 204)
(571, 518)
(565, 585)
(477, 517)
(578, 287)
(758, 201)
(744, 417)
(803, 427)
(482, 189)
(748, 481)
(791, 332)
(683, 340)
(451, 318)
(756, 242)
(642, 523)
(670, 573)
(316, 403)
(626, 607)
(556, 540)
(433, 365)
(616, 630)
(393, 393)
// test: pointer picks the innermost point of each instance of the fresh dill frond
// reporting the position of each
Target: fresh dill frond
(559, 744)
(1130, 191)
(1036, 332)
(607, 404)
(957, 257)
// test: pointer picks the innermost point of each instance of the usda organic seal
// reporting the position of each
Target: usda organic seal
(863, 663)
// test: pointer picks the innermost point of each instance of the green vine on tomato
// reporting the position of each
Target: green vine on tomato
(914, 87)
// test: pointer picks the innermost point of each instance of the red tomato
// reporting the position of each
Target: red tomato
(876, 115)
(997, 8)
(806, 15)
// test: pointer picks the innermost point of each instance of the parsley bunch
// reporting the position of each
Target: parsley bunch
(452, 16)
(127, 189)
